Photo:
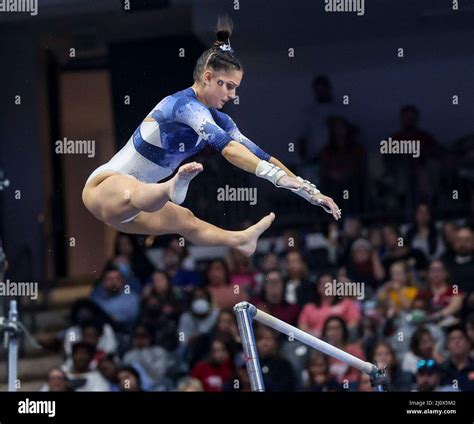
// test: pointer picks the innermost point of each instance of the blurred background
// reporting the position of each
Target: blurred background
(320, 92)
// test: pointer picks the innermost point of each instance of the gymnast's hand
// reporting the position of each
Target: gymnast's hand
(327, 204)
(311, 194)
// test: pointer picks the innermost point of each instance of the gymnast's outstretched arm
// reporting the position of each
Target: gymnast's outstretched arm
(221, 132)
(275, 171)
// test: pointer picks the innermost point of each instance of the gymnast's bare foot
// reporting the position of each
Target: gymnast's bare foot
(251, 235)
(180, 182)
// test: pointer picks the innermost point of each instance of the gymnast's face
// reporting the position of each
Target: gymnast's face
(220, 87)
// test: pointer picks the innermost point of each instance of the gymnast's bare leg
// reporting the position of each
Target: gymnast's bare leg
(135, 207)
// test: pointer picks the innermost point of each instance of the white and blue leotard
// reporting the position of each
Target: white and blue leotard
(180, 127)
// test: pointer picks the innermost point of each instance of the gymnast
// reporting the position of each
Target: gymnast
(127, 192)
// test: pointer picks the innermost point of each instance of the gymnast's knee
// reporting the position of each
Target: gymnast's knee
(189, 221)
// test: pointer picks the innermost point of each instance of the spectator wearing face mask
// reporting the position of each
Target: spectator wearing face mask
(200, 318)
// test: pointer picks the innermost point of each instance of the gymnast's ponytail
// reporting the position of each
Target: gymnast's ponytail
(220, 57)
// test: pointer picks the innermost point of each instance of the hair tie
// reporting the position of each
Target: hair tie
(226, 47)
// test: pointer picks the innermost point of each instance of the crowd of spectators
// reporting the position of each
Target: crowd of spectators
(173, 328)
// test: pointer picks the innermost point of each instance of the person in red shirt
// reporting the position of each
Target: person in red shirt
(216, 371)
(314, 314)
(445, 298)
(273, 300)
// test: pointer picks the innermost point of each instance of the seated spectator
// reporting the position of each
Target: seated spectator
(299, 289)
(129, 380)
(423, 235)
(428, 378)
(364, 265)
(217, 370)
(364, 384)
(57, 382)
(398, 293)
(187, 261)
(422, 346)
(190, 384)
(460, 262)
(91, 333)
(121, 305)
(178, 274)
(445, 299)
(108, 368)
(223, 293)
(351, 231)
(290, 240)
(384, 356)
(273, 300)
(241, 272)
(170, 298)
(314, 314)
(200, 319)
(85, 311)
(152, 361)
(106, 341)
(124, 265)
(459, 367)
(319, 377)
(162, 320)
(399, 327)
(395, 249)
(335, 332)
(225, 329)
(132, 255)
(81, 377)
(270, 262)
(278, 375)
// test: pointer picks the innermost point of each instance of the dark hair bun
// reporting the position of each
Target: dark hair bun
(223, 30)
(222, 35)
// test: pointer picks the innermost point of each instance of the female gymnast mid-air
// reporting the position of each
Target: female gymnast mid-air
(126, 192)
